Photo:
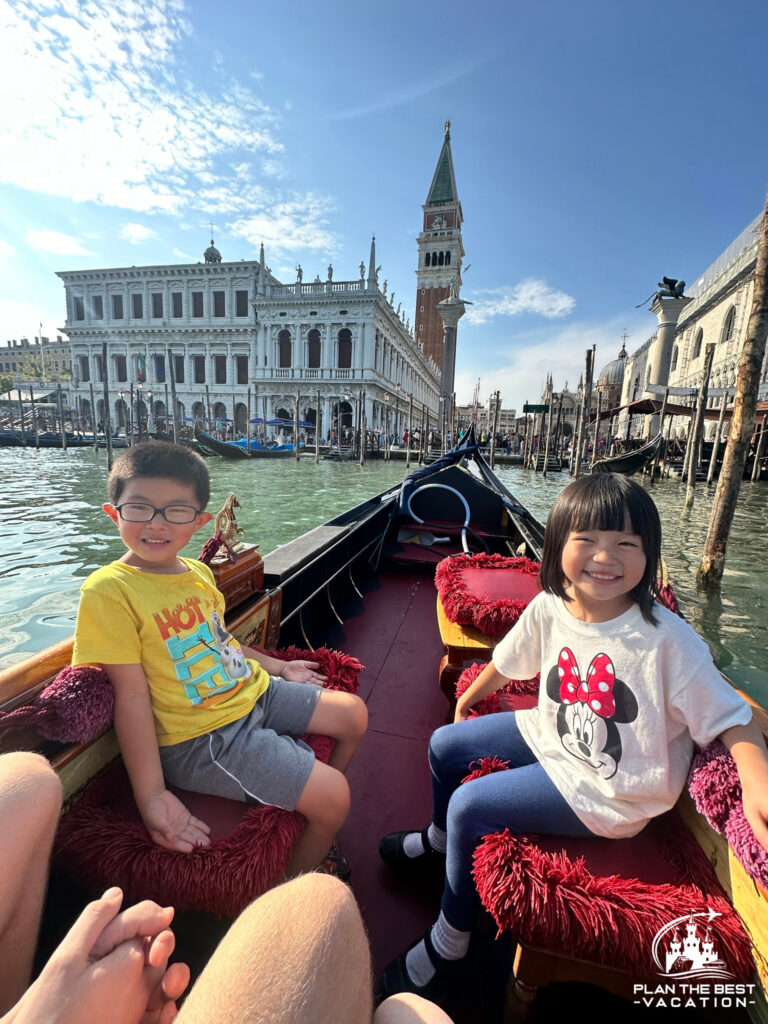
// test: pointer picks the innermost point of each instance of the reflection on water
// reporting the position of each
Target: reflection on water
(53, 533)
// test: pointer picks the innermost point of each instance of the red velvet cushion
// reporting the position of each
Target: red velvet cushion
(102, 841)
(489, 592)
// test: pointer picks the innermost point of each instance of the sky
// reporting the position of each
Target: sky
(597, 146)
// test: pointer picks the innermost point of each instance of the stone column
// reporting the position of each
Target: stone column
(668, 311)
(327, 359)
(451, 310)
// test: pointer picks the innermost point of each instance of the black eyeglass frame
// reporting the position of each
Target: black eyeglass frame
(173, 504)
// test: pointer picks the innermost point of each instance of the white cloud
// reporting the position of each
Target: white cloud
(107, 112)
(520, 369)
(182, 255)
(288, 226)
(56, 242)
(529, 296)
(6, 249)
(136, 234)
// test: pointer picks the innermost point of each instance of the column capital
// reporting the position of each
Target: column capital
(668, 310)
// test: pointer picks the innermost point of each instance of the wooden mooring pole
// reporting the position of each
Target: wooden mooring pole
(742, 425)
(698, 428)
(716, 442)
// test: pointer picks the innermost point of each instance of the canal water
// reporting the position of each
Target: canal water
(53, 534)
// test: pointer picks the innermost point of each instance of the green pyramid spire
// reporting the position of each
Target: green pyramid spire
(443, 188)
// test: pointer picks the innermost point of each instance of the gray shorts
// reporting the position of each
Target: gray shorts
(257, 758)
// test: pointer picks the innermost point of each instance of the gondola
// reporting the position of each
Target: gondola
(629, 462)
(235, 450)
(362, 583)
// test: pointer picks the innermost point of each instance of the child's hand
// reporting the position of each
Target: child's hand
(171, 825)
(302, 672)
(754, 798)
(129, 983)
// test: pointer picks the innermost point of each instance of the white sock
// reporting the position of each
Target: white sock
(449, 943)
(438, 839)
(413, 845)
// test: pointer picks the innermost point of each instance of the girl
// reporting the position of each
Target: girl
(627, 687)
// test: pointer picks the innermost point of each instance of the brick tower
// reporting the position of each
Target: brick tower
(440, 252)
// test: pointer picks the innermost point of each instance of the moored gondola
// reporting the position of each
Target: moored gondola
(630, 462)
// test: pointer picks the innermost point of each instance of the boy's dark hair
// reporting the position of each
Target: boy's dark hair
(603, 501)
(160, 459)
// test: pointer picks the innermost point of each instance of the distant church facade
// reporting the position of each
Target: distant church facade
(223, 329)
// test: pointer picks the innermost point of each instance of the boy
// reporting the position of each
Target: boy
(191, 705)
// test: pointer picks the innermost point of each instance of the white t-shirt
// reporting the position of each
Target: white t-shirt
(620, 705)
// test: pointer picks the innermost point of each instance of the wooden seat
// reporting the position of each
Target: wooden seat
(462, 643)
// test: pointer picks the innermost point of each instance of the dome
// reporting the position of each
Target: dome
(212, 254)
(613, 373)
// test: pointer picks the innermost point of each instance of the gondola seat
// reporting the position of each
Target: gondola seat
(103, 842)
(479, 599)
(588, 909)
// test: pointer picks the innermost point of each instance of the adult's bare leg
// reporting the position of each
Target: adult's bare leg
(407, 1008)
(30, 803)
(298, 954)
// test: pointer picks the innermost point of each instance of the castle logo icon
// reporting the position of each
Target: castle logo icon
(684, 948)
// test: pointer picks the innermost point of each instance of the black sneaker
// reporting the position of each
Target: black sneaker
(395, 977)
(393, 854)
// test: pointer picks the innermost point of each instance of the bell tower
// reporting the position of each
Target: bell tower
(440, 252)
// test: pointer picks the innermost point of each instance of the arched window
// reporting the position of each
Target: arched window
(434, 259)
(345, 349)
(426, 260)
(313, 349)
(697, 344)
(728, 326)
(673, 367)
(447, 259)
(440, 259)
(284, 349)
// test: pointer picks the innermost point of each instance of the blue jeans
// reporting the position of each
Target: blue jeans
(522, 799)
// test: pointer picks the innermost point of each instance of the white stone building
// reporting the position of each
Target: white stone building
(230, 329)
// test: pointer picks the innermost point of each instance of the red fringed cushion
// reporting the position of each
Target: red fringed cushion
(75, 707)
(604, 900)
(513, 696)
(102, 840)
(475, 593)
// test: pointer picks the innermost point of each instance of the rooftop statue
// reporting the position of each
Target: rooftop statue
(670, 288)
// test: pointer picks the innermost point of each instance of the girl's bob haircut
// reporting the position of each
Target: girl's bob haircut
(603, 501)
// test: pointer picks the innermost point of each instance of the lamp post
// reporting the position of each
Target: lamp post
(139, 386)
(150, 414)
(386, 429)
(130, 415)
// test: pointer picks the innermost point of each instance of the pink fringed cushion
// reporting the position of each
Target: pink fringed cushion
(102, 840)
(77, 706)
(489, 592)
(604, 900)
(714, 785)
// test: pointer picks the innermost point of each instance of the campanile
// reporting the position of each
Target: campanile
(440, 252)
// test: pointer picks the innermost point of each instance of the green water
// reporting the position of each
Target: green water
(53, 534)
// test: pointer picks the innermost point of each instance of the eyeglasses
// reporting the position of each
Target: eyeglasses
(141, 512)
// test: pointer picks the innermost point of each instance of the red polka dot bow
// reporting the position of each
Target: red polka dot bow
(596, 691)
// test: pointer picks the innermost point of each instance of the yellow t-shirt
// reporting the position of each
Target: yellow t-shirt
(173, 625)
